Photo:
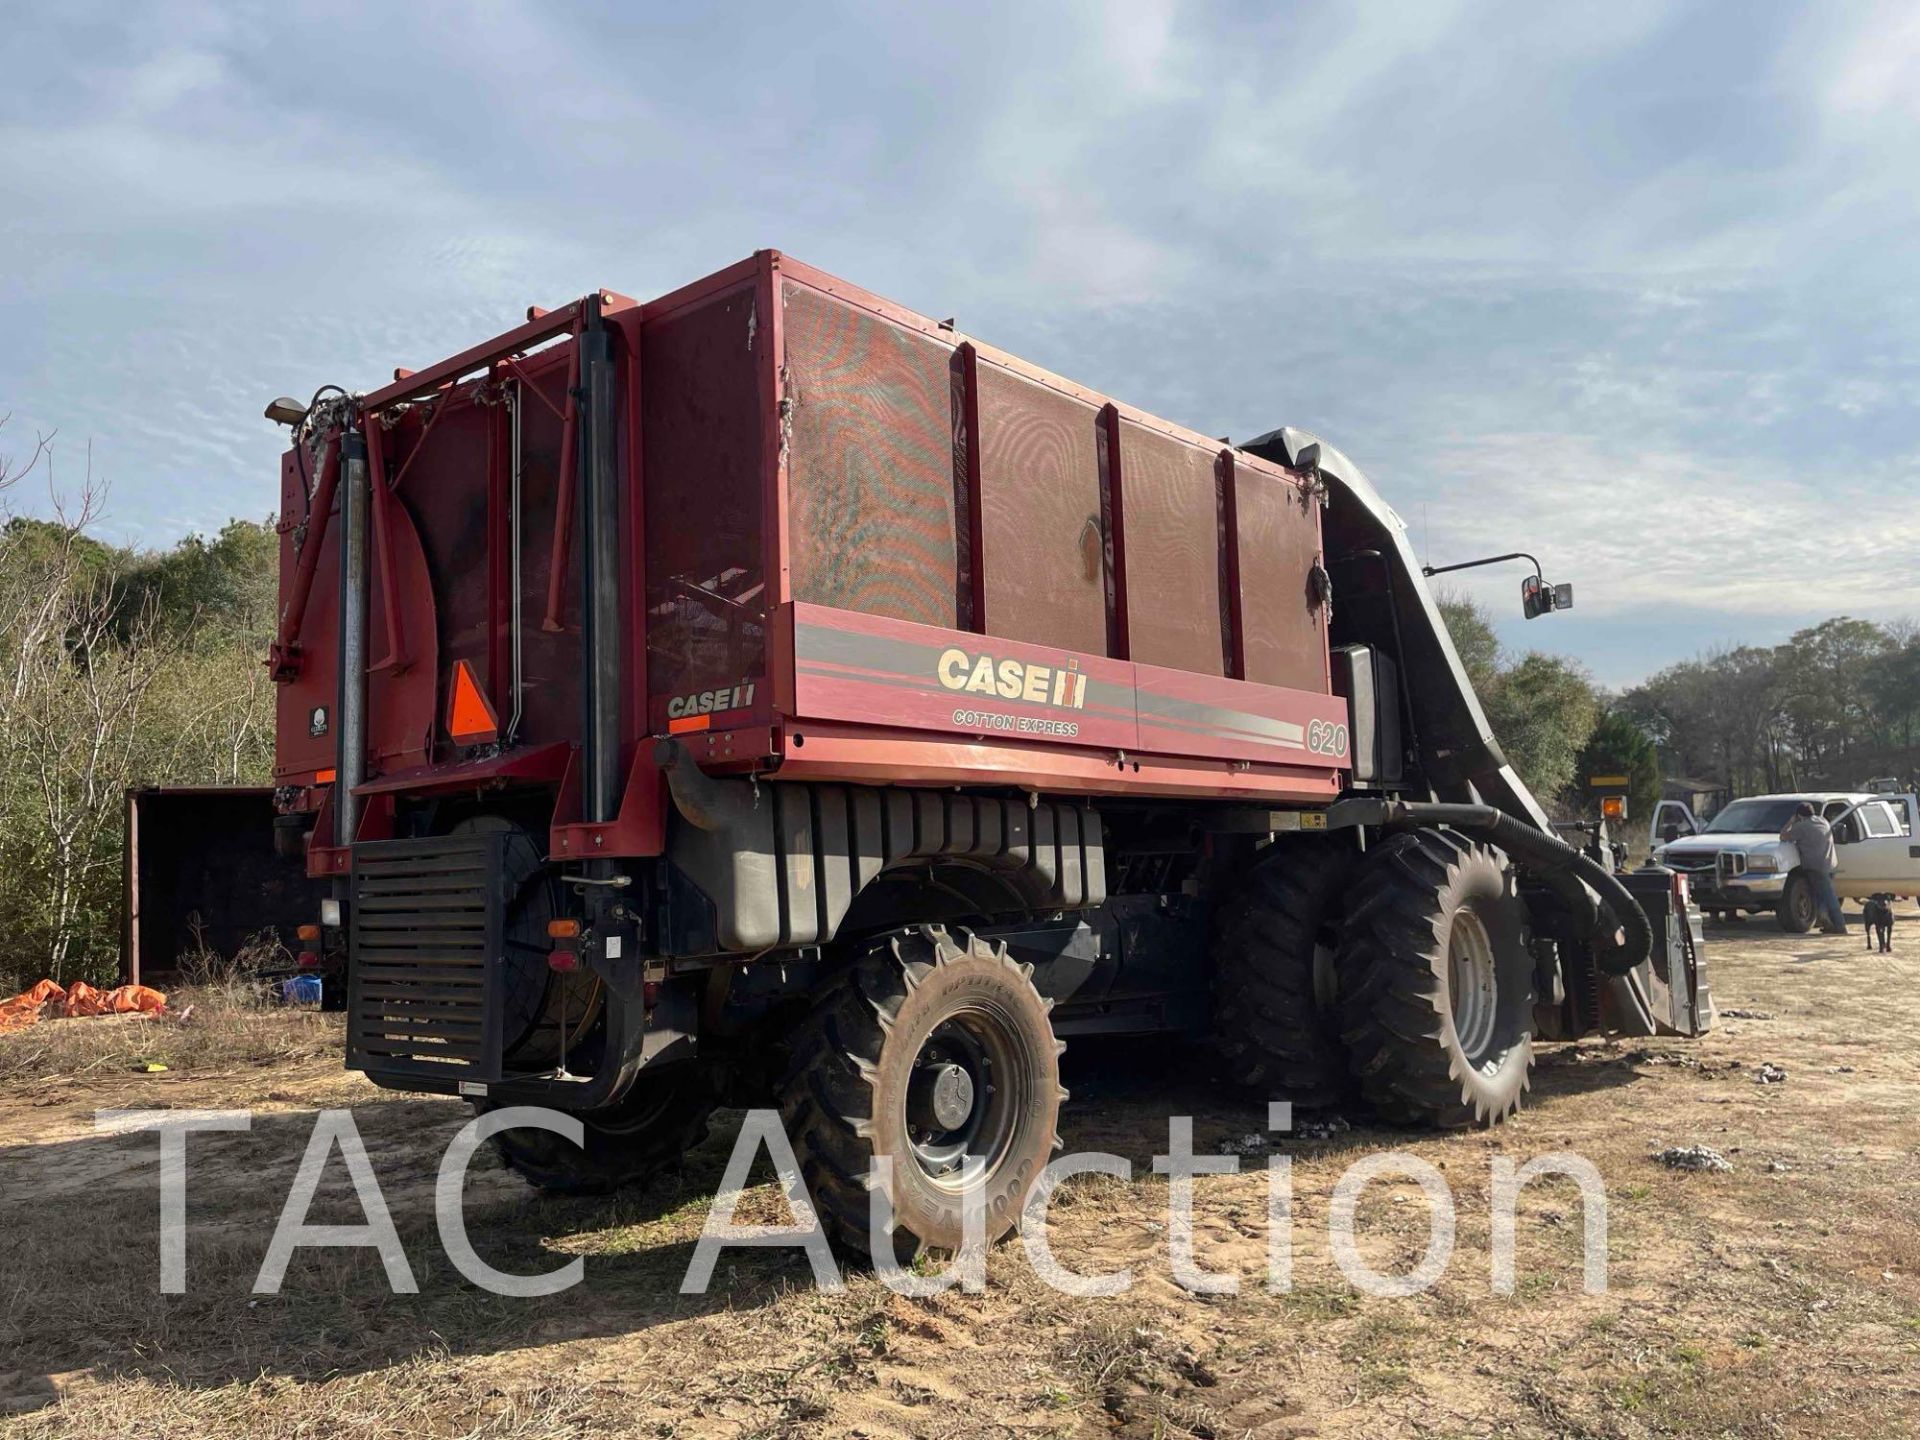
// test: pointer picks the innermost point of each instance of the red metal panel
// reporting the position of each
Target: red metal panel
(1172, 538)
(1284, 636)
(1182, 713)
(871, 522)
(304, 742)
(840, 752)
(446, 486)
(704, 446)
(869, 670)
(1041, 536)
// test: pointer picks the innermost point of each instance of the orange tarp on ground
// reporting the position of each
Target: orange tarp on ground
(47, 998)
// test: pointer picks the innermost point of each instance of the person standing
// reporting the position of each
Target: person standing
(1812, 837)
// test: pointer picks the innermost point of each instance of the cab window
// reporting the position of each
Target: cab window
(1835, 809)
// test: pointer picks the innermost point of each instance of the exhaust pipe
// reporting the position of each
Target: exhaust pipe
(705, 802)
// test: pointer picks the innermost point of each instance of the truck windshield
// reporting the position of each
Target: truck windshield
(1752, 816)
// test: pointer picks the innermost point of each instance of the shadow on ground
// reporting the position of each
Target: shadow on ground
(80, 1219)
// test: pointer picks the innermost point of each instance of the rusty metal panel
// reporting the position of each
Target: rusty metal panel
(701, 436)
(1168, 497)
(871, 463)
(1284, 634)
(1043, 578)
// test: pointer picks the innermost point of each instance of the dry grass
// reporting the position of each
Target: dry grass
(224, 1026)
(1761, 1303)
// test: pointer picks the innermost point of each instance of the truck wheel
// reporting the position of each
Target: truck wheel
(648, 1132)
(933, 1051)
(1274, 1018)
(1797, 910)
(1436, 983)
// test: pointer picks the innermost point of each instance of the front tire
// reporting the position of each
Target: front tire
(1436, 983)
(1798, 909)
(933, 1052)
(647, 1133)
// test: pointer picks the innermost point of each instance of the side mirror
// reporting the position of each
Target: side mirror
(1539, 598)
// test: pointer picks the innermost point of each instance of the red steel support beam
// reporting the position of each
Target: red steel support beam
(556, 616)
(395, 657)
(1113, 517)
(521, 337)
(295, 614)
(1233, 632)
(967, 509)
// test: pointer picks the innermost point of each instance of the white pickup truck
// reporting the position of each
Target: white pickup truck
(1737, 862)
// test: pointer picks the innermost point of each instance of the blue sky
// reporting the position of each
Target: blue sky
(1632, 286)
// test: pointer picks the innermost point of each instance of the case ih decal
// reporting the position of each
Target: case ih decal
(711, 702)
(866, 670)
(1061, 685)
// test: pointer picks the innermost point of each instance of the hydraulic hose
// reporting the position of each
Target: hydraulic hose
(1618, 927)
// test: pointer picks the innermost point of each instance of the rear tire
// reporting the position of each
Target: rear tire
(1798, 909)
(1436, 983)
(647, 1133)
(1275, 1020)
(878, 1069)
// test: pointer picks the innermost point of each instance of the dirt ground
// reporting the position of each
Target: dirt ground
(1779, 1298)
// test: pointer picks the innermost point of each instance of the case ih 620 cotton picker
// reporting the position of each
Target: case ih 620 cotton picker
(767, 691)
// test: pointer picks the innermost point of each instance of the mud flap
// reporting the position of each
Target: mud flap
(1666, 994)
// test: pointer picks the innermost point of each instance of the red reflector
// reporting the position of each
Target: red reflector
(689, 722)
(323, 777)
(309, 960)
(470, 719)
(563, 962)
(650, 994)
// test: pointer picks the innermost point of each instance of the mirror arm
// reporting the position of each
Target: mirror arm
(1432, 570)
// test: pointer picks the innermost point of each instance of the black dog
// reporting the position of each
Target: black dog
(1878, 914)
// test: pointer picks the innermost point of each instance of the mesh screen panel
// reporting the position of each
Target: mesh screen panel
(1169, 503)
(1040, 514)
(1279, 538)
(870, 470)
(701, 437)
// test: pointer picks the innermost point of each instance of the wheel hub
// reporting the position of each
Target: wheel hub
(941, 1096)
(1472, 980)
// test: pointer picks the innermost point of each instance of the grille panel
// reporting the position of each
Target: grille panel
(424, 968)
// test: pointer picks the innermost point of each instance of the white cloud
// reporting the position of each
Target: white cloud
(1658, 530)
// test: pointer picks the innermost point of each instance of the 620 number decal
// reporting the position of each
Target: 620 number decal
(1326, 738)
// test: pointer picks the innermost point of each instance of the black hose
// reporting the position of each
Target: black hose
(1618, 927)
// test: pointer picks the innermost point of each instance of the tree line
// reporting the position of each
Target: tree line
(118, 666)
(1835, 705)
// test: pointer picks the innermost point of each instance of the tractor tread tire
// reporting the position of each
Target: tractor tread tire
(1271, 1029)
(1398, 1024)
(827, 1097)
(615, 1155)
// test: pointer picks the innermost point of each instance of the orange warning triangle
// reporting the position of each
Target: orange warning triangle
(470, 719)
